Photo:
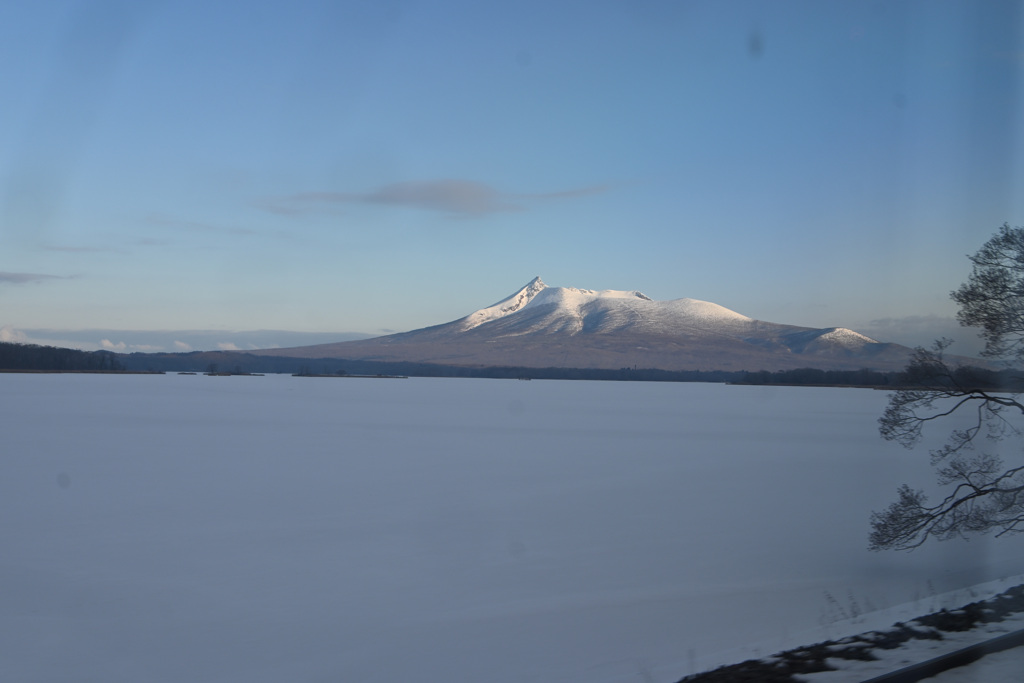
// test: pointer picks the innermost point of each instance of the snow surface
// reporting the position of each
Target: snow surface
(847, 337)
(570, 303)
(170, 528)
(916, 651)
(506, 306)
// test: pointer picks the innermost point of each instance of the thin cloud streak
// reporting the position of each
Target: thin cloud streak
(82, 250)
(282, 209)
(162, 221)
(455, 197)
(569, 194)
(459, 197)
(22, 278)
(463, 197)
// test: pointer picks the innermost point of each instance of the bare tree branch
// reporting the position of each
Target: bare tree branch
(984, 497)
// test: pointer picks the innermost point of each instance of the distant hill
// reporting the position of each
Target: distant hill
(564, 327)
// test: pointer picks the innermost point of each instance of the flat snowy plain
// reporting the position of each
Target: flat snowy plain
(250, 529)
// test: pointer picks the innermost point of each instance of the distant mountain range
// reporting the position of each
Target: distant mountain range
(542, 327)
(156, 341)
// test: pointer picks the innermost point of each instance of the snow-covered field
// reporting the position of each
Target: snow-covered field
(173, 528)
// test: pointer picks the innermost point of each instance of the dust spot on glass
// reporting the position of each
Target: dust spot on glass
(755, 44)
(516, 407)
(64, 480)
(524, 58)
(516, 549)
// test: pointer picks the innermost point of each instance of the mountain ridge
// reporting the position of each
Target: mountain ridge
(542, 326)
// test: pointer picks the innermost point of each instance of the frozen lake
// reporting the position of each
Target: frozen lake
(266, 529)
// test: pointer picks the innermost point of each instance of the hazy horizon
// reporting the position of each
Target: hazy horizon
(912, 331)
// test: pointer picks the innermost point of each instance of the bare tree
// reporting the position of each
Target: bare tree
(984, 495)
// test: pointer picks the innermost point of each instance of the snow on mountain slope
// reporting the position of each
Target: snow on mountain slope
(846, 337)
(828, 339)
(504, 307)
(539, 308)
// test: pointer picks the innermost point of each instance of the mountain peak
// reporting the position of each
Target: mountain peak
(505, 306)
(565, 309)
(847, 337)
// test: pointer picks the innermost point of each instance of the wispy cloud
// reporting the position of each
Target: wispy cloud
(9, 334)
(122, 346)
(569, 194)
(162, 221)
(21, 278)
(459, 198)
(284, 206)
(81, 249)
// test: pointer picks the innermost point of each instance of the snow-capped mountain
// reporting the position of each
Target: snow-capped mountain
(566, 309)
(542, 326)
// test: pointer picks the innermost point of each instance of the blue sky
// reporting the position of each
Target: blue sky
(382, 166)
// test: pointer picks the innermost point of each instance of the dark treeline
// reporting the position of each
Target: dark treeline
(622, 375)
(240, 363)
(813, 376)
(962, 377)
(31, 357)
(229, 362)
